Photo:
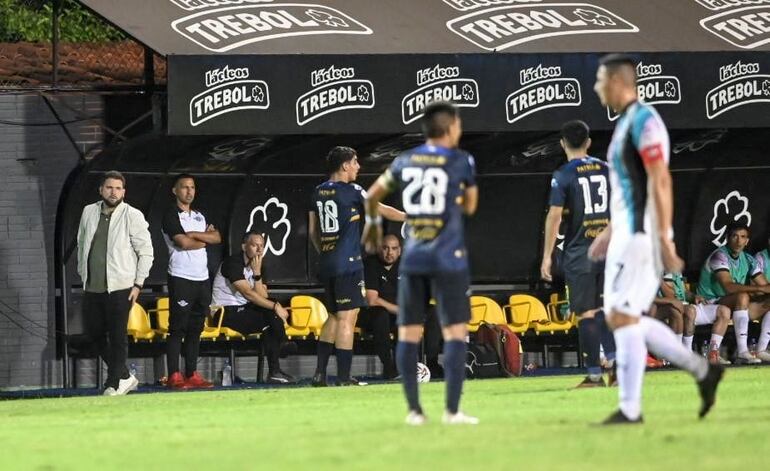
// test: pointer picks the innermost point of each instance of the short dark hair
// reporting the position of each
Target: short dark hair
(112, 175)
(437, 118)
(575, 133)
(737, 226)
(248, 234)
(182, 176)
(338, 156)
(616, 61)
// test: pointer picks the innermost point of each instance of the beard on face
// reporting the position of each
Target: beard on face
(110, 204)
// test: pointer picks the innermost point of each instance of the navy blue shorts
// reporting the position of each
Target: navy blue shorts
(344, 292)
(584, 291)
(450, 290)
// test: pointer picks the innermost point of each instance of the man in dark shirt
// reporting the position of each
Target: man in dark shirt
(381, 277)
(580, 193)
(240, 287)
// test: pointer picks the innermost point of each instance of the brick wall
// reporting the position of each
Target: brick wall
(34, 162)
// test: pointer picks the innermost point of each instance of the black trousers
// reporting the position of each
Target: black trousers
(106, 317)
(189, 304)
(252, 319)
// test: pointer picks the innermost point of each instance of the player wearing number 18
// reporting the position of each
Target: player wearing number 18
(438, 188)
(335, 229)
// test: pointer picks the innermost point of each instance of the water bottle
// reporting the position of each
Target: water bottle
(705, 350)
(227, 374)
(132, 369)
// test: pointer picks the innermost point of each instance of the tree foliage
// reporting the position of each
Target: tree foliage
(31, 20)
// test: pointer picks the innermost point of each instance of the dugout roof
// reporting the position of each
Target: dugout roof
(363, 66)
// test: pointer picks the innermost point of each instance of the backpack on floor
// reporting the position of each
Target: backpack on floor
(507, 346)
(482, 361)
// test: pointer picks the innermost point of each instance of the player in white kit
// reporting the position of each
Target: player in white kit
(638, 243)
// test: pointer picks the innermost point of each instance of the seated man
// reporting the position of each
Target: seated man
(239, 287)
(723, 280)
(381, 278)
(690, 309)
(760, 308)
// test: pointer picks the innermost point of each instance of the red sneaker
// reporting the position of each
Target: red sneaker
(176, 381)
(653, 362)
(196, 381)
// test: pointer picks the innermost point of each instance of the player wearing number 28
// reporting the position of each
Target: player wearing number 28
(438, 187)
(335, 229)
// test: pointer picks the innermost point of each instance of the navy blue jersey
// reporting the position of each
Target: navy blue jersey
(432, 181)
(581, 187)
(339, 207)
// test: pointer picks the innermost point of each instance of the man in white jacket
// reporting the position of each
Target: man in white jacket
(114, 258)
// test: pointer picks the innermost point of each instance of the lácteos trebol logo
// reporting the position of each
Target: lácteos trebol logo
(501, 27)
(439, 83)
(334, 89)
(224, 25)
(228, 89)
(542, 88)
(741, 84)
(653, 87)
(742, 23)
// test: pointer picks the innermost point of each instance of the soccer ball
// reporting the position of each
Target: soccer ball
(423, 373)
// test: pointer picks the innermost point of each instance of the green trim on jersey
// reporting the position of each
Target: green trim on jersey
(708, 285)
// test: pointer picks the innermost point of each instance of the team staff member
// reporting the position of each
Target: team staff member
(114, 258)
(240, 287)
(187, 235)
(580, 194)
(334, 229)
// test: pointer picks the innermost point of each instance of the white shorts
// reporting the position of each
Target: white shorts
(705, 314)
(631, 276)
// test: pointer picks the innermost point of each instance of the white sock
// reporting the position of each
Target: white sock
(662, 342)
(764, 337)
(716, 342)
(687, 342)
(741, 324)
(630, 357)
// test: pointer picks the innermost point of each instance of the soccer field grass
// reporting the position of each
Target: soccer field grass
(527, 423)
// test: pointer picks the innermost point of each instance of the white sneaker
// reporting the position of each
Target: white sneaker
(763, 356)
(110, 392)
(415, 419)
(127, 385)
(746, 358)
(459, 418)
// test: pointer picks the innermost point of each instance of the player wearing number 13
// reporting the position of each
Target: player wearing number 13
(438, 188)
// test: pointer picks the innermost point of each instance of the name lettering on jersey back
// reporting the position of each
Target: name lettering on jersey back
(543, 88)
(742, 84)
(439, 83)
(335, 89)
(225, 25)
(588, 168)
(428, 159)
(227, 90)
(502, 27)
(654, 88)
(744, 23)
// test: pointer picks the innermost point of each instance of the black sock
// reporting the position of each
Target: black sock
(454, 373)
(344, 360)
(325, 350)
(589, 336)
(608, 339)
(406, 360)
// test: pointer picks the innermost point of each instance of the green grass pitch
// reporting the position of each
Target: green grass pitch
(527, 423)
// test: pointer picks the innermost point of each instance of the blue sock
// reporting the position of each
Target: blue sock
(344, 360)
(406, 360)
(454, 373)
(608, 339)
(589, 335)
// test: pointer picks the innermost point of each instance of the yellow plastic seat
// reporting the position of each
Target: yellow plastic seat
(484, 309)
(539, 320)
(553, 309)
(518, 313)
(214, 332)
(161, 312)
(138, 325)
(306, 316)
